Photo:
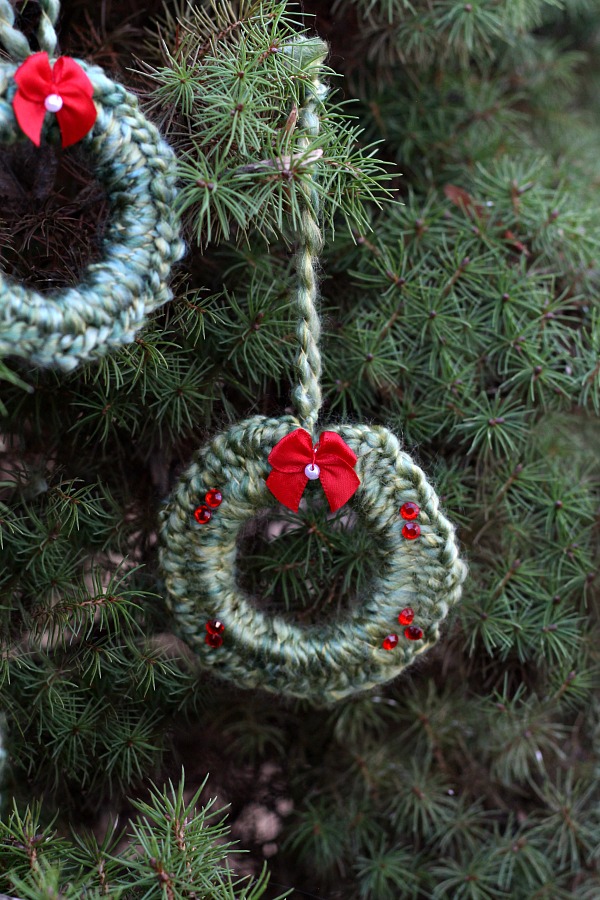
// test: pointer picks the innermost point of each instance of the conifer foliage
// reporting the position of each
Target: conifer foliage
(458, 184)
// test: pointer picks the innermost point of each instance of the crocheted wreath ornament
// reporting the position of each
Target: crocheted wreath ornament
(324, 663)
(262, 462)
(136, 167)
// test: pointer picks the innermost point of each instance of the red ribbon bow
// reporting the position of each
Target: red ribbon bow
(65, 90)
(295, 461)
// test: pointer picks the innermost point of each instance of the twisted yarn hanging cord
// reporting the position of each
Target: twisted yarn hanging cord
(229, 483)
(15, 43)
(46, 34)
(307, 395)
(142, 240)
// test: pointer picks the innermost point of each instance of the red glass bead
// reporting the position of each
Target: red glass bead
(390, 642)
(409, 511)
(406, 616)
(213, 640)
(413, 633)
(215, 627)
(202, 515)
(213, 498)
(411, 531)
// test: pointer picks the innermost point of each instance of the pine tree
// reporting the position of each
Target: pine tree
(457, 178)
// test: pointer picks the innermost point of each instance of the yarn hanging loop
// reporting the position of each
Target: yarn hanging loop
(14, 41)
(46, 33)
(306, 396)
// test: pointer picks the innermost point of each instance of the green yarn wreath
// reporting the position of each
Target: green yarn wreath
(142, 240)
(325, 663)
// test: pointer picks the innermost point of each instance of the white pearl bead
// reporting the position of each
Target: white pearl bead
(312, 471)
(53, 103)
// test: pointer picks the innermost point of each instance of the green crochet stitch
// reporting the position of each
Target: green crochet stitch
(200, 560)
(142, 241)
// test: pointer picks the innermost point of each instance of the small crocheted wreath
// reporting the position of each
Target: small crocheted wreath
(325, 663)
(137, 169)
(260, 463)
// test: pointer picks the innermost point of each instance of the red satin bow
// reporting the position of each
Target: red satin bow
(64, 90)
(294, 453)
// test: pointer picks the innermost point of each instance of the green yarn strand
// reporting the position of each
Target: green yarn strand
(46, 34)
(306, 396)
(14, 41)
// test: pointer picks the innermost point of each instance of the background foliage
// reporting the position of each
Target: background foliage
(458, 181)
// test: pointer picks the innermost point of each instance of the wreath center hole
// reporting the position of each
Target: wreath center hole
(309, 566)
(53, 216)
